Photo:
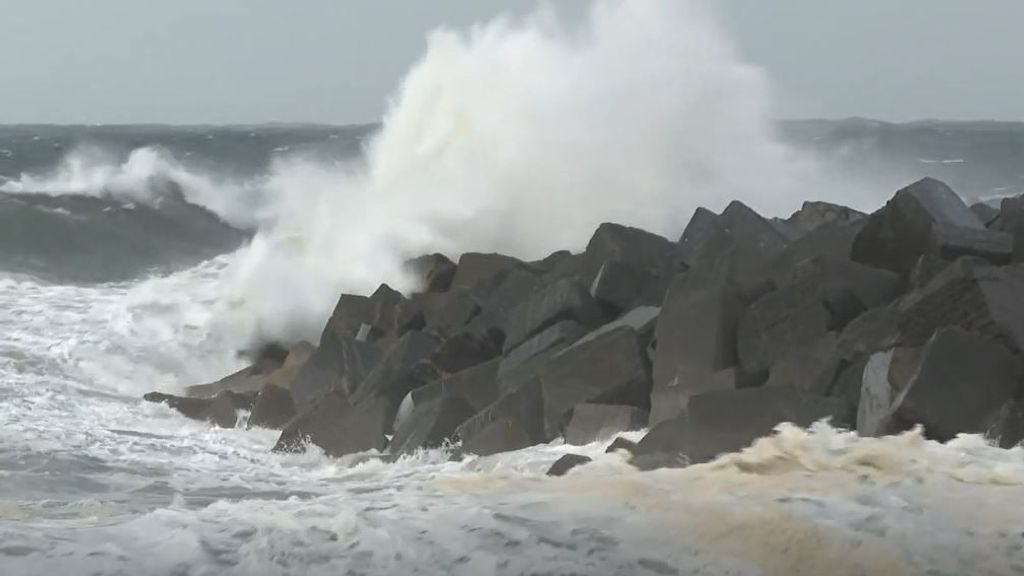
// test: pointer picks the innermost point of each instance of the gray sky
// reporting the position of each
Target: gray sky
(223, 61)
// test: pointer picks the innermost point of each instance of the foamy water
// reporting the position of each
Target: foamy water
(92, 480)
(496, 133)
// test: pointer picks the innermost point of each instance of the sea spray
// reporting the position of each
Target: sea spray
(521, 136)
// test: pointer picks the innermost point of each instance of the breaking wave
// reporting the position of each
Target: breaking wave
(521, 136)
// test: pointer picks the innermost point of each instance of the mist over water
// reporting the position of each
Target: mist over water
(520, 137)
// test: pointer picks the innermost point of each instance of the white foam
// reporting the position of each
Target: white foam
(91, 171)
(521, 136)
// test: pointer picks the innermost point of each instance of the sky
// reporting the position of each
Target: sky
(337, 61)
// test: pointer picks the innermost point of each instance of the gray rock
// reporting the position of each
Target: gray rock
(832, 241)
(434, 272)
(563, 300)
(642, 319)
(273, 408)
(927, 268)
(741, 251)
(339, 427)
(340, 363)
(475, 268)
(696, 337)
(1007, 428)
(980, 299)
(912, 223)
(874, 413)
(623, 444)
(553, 338)
(986, 213)
(672, 400)
(510, 289)
(562, 466)
(248, 379)
(456, 354)
(952, 242)
(431, 424)
(846, 288)
(702, 227)
(645, 252)
(352, 312)
(873, 331)
(398, 373)
(477, 385)
(779, 323)
(445, 313)
(221, 410)
(513, 422)
(593, 422)
(811, 368)
(611, 369)
(814, 215)
(722, 422)
(621, 285)
(961, 384)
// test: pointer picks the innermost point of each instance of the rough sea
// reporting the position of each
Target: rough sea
(116, 246)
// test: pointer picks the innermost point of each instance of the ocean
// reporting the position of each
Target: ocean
(112, 284)
(142, 258)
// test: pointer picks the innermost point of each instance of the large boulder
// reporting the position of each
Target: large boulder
(562, 466)
(980, 299)
(456, 354)
(847, 288)
(779, 323)
(273, 408)
(284, 376)
(498, 298)
(986, 213)
(400, 371)
(811, 368)
(445, 313)
(642, 319)
(563, 300)
(741, 250)
(628, 267)
(721, 422)
(513, 422)
(621, 285)
(221, 410)
(926, 217)
(476, 268)
(696, 338)
(433, 272)
(477, 386)
(610, 369)
(270, 360)
(1007, 429)
(338, 427)
(430, 424)
(814, 215)
(832, 241)
(962, 382)
(702, 227)
(594, 422)
(340, 364)
(874, 331)
(614, 242)
(874, 413)
(368, 317)
(554, 338)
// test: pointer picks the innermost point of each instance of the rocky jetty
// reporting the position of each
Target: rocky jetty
(910, 316)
